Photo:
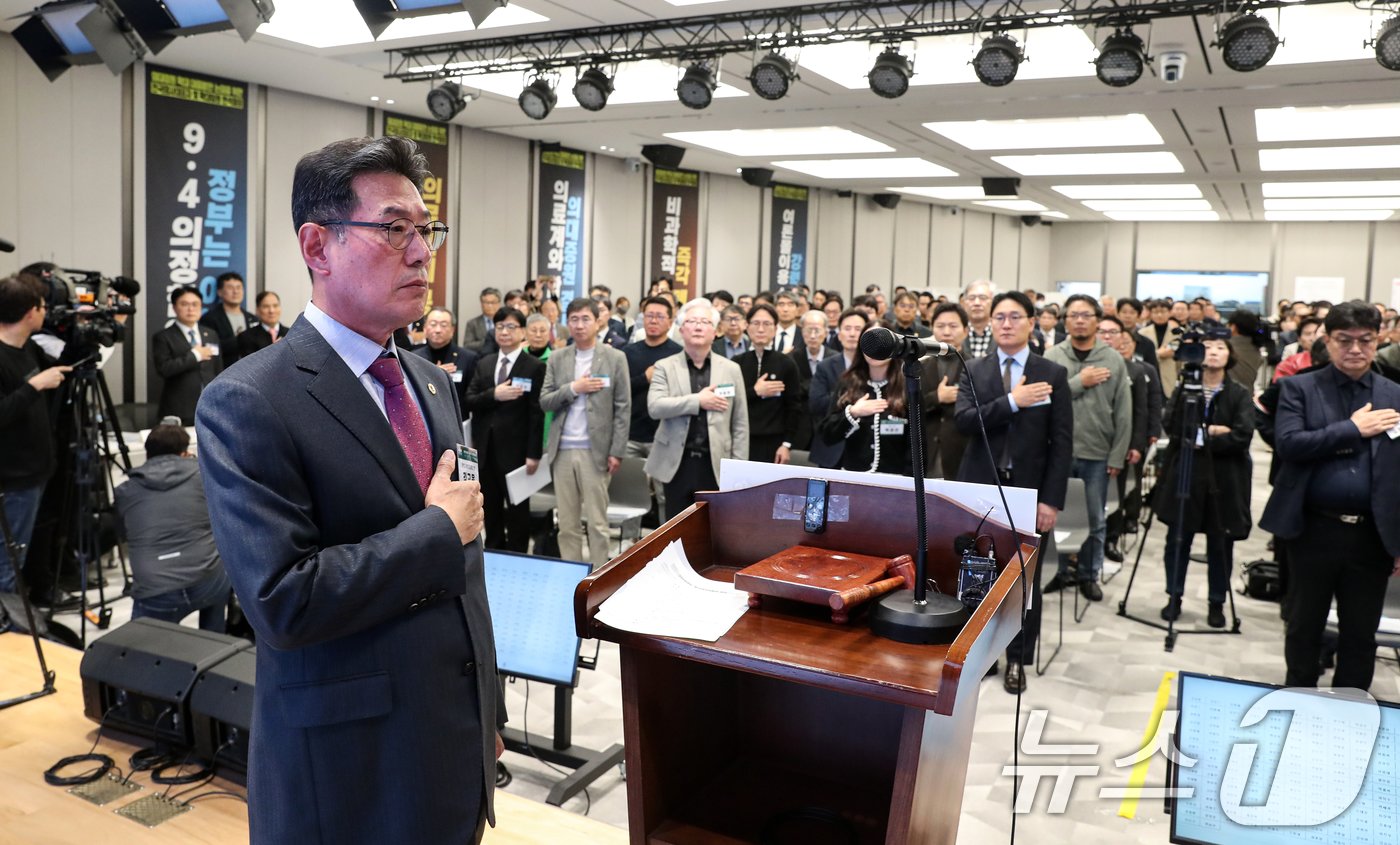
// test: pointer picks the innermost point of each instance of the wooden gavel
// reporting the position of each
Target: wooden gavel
(901, 572)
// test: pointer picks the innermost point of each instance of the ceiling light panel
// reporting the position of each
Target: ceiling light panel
(1331, 33)
(1058, 215)
(950, 192)
(766, 143)
(1325, 216)
(1148, 205)
(1129, 192)
(336, 23)
(867, 168)
(1332, 203)
(1052, 53)
(1325, 124)
(1162, 216)
(1123, 130)
(636, 82)
(1091, 164)
(1378, 188)
(1378, 157)
(1028, 206)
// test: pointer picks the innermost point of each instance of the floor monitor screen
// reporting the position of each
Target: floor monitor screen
(532, 614)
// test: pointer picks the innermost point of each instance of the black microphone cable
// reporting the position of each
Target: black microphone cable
(104, 762)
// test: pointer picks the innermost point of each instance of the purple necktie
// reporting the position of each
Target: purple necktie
(405, 419)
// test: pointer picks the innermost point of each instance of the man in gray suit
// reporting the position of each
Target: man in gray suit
(328, 466)
(480, 329)
(698, 396)
(587, 387)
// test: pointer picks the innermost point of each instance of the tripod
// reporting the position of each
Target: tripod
(16, 555)
(88, 493)
(1189, 409)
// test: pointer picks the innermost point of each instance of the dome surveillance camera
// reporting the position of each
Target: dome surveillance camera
(1171, 66)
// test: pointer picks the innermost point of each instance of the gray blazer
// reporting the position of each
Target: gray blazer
(474, 334)
(376, 662)
(670, 400)
(609, 410)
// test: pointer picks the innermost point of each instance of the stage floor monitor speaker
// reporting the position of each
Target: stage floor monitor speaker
(221, 711)
(138, 678)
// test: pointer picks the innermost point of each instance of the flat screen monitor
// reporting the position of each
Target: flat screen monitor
(1276, 765)
(1227, 289)
(532, 615)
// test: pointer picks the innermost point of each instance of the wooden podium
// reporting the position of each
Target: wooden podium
(791, 728)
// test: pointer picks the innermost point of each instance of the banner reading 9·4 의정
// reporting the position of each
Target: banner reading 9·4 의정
(196, 186)
(788, 262)
(432, 143)
(675, 213)
(559, 221)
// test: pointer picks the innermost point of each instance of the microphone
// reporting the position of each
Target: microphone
(882, 345)
(6, 246)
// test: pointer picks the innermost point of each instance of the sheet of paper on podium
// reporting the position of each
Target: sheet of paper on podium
(668, 598)
(521, 485)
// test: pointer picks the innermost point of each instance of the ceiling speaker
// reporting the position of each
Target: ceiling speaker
(887, 200)
(1001, 186)
(759, 177)
(663, 155)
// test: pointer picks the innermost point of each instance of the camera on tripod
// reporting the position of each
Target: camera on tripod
(1191, 350)
(88, 317)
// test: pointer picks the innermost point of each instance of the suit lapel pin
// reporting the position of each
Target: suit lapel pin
(432, 388)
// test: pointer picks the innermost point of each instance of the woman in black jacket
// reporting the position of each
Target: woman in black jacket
(868, 415)
(1218, 502)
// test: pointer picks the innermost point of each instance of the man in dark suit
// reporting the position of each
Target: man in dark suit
(186, 355)
(771, 389)
(482, 328)
(944, 445)
(849, 327)
(808, 356)
(269, 329)
(328, 462)
(507, 428)
(228, 318)
(439, 346)
(1028, 412)
(1336, 498)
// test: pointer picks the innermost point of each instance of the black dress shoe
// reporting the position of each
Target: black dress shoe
(1014, 681)
(1113, 553)
(1172, 611)
(1057, 583)
(1215, 615)
(1091, 590)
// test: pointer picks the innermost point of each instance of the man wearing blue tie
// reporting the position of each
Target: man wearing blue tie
(186, 355)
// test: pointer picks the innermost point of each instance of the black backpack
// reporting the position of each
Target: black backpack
(1261, 580)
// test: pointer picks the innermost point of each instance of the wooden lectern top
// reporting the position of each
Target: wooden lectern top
(724, 532)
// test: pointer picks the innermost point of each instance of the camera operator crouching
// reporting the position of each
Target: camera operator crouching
(26, 444)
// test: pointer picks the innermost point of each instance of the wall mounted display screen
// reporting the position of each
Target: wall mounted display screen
(532, 615)
(1228, 290)
(1275, 765)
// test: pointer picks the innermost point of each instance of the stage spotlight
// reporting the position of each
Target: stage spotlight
(446, 101)
(772, 76)
(592, 89)
(1121, 59)
(998, 60)
(1246, 42)
(697, 86)
(538, 99)
(891, 74)
(1388, 44)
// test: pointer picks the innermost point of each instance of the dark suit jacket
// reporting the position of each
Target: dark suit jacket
(257, 338)
(184, 376)
(821, 395)
(475, 335)
(228, 334)
(1042, 438)
(776, 416)
(376, 702)
(941, 435)
(804, 395)
(512, 431)
(463, 359)
(1309, 428)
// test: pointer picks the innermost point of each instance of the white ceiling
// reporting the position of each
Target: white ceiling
(1207, 121)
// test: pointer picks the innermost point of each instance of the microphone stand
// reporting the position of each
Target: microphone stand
(15, 551)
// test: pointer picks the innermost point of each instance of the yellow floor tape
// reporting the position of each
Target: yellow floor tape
(1128, 807)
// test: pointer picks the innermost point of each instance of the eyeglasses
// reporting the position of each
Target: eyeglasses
(763, 324)
(978, 297)
(400, 231)
(696, 323)
(656, 317)
(1110, 333)
(1345, 342)
(1012, 318)
(507, 328)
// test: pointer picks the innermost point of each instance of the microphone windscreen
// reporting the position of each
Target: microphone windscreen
(125, 285)
(878, 343)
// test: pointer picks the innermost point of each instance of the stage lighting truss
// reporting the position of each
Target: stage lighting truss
(1387, 43)
(446, 101)
(772, 76)
(890, 76)
(696, 89)
(998, 60)
(1246, 42)
(1121, 59)
(538, 99)
(593, 88)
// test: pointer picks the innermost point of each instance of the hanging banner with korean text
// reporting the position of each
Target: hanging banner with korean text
(787, 263)
(675, 229)
(559, 222)
(196, 187)
(432, 143)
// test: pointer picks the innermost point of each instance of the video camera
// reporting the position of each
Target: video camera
(1191, 350)
(85, 317)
